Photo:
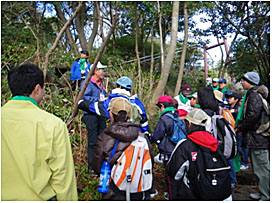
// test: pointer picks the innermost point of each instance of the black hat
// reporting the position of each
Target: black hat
(85, 52)
(235, 95)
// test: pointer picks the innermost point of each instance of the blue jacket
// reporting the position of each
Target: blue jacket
(144, 122)
(93, 93)
(101, 108)
(162, 133)
(76, 73)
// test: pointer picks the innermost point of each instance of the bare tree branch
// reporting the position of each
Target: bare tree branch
(58, 38)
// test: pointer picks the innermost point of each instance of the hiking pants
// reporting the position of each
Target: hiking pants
(242, 151)
(260, 164)
(95, 125)
(232, 172)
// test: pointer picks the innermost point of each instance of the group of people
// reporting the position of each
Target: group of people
(36, 155)
(199, 108)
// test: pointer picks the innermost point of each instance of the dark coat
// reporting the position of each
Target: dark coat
(182, 163)
(164, 129)
(253, 108)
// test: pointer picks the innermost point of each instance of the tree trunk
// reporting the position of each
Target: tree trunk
(68, 31)
(58, 38)
(152, 57)
(183, 55)
(161, 37)
(95, 27)
(170, 56)
(87, 80)
(80, 20)
(137, 53)
(100, 22)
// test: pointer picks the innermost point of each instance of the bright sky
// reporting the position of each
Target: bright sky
(215, 53)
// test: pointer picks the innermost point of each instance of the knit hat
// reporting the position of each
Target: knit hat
(252, 77)
(165, 98)
(119, 104)
(218, 95)
(186, 88)
(197, 117)
(124, 82)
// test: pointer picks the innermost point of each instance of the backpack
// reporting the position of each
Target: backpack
(135, 116)
(132, 172)
(264, 128)
(210, 178)
(179, 131)
(228, 116)
(221, 129)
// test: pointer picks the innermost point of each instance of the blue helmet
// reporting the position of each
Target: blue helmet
(124, 82)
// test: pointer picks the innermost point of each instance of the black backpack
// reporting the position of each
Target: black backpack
(209, 175)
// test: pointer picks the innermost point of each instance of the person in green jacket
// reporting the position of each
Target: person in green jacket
(215, 83)
(36, 155)
(223, 85)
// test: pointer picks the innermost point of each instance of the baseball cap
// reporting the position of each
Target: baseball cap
(215, 80)
(223, 80)
(218, 95)
(165, 98)
(85, 52)
(124, 82)
(119, 104)
(197, 117)
(233, 94)
(99, 66)
(194, 95)
(186, 88)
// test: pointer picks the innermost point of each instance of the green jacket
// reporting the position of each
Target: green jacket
(36, 156)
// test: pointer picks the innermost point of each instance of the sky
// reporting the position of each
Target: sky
(214, 54)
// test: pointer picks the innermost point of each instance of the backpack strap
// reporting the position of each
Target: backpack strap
(129, 173)
(114, 149)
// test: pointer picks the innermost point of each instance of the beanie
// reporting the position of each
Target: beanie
(252, 77)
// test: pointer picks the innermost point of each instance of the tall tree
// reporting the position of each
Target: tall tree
(171, 53)
(137, 51)
(68, 32)
(184, 47)
(80, 23)
(161, 36)
(95, 26)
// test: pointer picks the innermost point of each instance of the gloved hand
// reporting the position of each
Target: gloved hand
(84, 105)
